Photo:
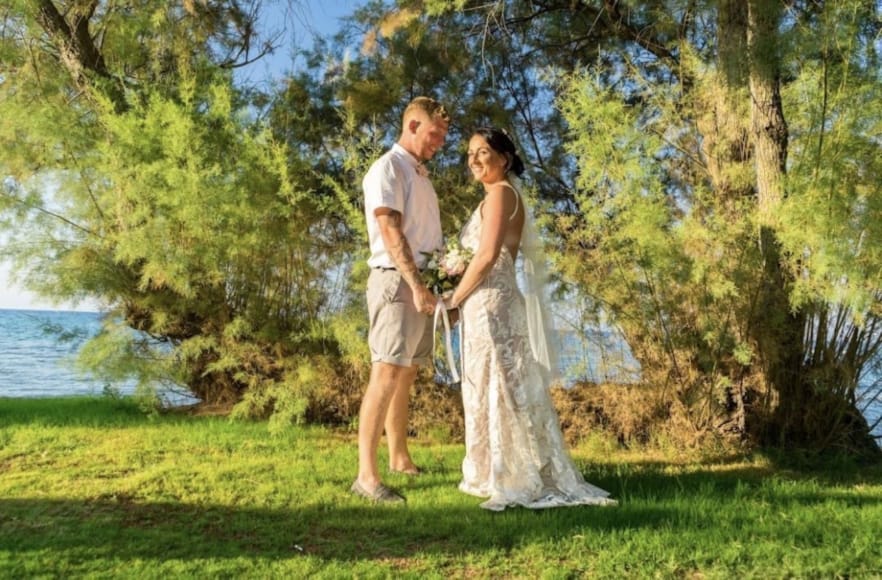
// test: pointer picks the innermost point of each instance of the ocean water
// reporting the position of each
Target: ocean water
(37, 349)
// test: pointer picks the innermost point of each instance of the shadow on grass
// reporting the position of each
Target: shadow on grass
(121, 528)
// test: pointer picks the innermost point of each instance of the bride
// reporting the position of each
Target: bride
(515, 453)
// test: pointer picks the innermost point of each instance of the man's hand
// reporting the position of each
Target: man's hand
(399, 250)
(423, 300)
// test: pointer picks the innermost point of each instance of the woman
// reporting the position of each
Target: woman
(515, 453)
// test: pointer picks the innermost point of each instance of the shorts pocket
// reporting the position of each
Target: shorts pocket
(391, 287)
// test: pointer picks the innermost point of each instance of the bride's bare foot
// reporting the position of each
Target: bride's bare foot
(406, 469)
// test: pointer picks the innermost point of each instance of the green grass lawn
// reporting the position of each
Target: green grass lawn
(91, 487)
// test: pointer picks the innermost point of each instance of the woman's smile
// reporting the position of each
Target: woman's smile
(486, 164)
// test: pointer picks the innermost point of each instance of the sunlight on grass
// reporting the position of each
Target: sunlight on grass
(92, 487)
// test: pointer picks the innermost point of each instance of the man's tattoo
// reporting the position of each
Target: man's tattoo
(403, 257)
(399, 250)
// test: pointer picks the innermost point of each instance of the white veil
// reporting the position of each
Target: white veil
(536, 279)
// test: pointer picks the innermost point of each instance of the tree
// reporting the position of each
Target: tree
(137, 173)
(711, 167)
(689, 184)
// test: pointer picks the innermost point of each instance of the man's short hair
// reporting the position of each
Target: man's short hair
(430, 106)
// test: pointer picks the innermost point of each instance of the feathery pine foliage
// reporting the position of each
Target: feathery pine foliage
(345, 110)
(726, 174)
(135, 172)
(750, 297)
(712, 169)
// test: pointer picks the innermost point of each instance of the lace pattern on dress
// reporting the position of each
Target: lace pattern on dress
(515, 452)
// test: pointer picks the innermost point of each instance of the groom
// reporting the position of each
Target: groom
(403, 223)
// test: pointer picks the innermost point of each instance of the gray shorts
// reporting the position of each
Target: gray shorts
(398, 334)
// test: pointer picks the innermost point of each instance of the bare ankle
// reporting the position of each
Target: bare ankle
(368, 482)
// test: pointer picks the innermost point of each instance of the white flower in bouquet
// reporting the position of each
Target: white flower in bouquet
(446, 266)
(456, 258)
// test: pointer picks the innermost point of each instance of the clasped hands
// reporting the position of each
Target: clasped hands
(426, 302)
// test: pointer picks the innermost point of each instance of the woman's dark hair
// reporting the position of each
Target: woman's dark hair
(499, 141)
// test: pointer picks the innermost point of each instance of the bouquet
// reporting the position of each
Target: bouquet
(446, 267)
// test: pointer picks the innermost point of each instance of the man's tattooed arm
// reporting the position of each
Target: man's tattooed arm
(398, 247)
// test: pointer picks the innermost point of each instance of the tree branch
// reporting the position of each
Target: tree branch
(77, 49)
(628, 32)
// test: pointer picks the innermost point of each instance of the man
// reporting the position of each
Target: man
(404, 223)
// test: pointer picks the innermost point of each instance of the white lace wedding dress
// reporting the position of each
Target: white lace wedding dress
(515, 452)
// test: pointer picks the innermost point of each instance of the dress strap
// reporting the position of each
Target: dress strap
(517, 203)
(517, 197)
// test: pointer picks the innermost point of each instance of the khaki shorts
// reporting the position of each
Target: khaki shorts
(398, 334)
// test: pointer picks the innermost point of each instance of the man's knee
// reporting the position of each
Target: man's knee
(389, 374)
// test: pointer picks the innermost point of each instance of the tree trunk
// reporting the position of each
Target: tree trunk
(798, 413)
(776, 327)
(768, 127)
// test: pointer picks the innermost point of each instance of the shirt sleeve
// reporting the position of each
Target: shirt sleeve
(384, 187)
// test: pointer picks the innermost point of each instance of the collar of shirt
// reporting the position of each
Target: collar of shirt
(418, 166)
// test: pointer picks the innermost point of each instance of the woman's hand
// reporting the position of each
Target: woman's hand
(453, 315)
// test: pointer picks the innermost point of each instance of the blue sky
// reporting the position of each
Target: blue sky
(298, 25)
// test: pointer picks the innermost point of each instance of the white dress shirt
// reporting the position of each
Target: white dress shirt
(393, 181)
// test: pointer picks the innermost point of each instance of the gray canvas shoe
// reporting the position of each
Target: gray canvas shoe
(381, 494)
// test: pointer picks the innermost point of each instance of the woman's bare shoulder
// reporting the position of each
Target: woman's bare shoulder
(502, 191)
